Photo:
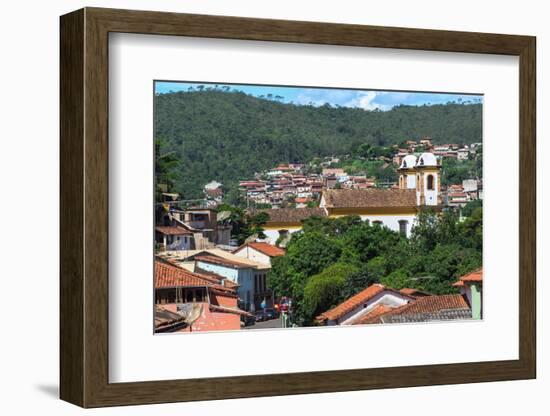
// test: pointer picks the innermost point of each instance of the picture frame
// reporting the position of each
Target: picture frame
(84, 172)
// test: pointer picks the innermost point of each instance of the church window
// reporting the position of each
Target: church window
(431, 182)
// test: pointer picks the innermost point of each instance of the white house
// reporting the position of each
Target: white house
(259, 252)
(357, 307)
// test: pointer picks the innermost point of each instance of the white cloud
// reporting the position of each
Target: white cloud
(365, 100)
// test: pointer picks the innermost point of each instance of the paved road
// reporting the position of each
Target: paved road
(272, 323)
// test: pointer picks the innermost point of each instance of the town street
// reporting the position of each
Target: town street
(272, 323)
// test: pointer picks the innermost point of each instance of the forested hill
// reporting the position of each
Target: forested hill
(228, 136)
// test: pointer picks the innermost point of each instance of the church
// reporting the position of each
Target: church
(419, 185)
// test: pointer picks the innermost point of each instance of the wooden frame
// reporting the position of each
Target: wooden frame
(84, 207)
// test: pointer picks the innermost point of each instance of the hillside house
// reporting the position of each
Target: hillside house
(259, 252)
(471, 286)
(374, 299)
(204, 302)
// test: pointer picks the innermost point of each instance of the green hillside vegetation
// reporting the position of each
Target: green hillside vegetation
(333, 259)
(228, 135)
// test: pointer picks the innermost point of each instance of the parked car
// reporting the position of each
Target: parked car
(260, 316)
(247, 320)
(271, 313)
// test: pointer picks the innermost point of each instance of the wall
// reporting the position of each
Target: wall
(252, 254)
(244, 277)
(29, 172)
(384, 298)
(392, 221)
(273, 234)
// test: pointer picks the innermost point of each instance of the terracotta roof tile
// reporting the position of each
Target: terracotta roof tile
(352, 303)
(267, 249)
(165, 315)
(172, 230)
(369, 198)
(291, 215)
(430, 304)
(222, 262)
(475, 276)
(413, 292)
(373, 315)
(167, 275)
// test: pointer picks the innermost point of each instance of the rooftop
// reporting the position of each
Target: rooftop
(265, 248)
(373, 315)
(172, 230)
(430, 304)
(369, 198)
(292, 215)
(168, 276)
(222, 262)
(473, 277)
(352, 303)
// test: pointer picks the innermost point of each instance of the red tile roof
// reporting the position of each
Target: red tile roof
(475, 276)
(172, 230)
(165, 315)
(430, 304)
(291, 215)
(352, 303)
(373, 315)
(265, 248)
(223, 262)
(167, 276)
(369, 198)
(413, 292)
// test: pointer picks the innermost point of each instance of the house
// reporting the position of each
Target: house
(213, 185)
(462, 154)
(426, 309)
(259, 252)
(249, 276)
(252, 281)
(174, 237)
(333, 172)
(204, 302)
(214, 197)
(426, 142)
(470, 187)
(471, 286)
(394, 208)
(375, 298)
(456, 197)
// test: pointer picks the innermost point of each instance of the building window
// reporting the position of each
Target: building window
(403, 227)
(377, 222)
(430, 182)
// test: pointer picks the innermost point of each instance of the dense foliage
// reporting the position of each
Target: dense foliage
(332, 259)
(244, 225)
(454, 171)
(228, 135)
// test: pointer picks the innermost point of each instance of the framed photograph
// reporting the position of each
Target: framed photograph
(255, 207)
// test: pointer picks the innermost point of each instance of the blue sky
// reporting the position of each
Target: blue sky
(366, 99)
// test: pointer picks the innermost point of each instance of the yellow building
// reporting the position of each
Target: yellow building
(397, 209)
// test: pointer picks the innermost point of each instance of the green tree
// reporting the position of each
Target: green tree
(324, 290)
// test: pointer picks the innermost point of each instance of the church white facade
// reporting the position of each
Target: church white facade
(423, 174)
(397, 209)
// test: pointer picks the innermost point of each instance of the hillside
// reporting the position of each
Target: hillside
(228, 136)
